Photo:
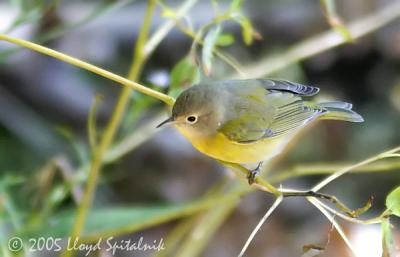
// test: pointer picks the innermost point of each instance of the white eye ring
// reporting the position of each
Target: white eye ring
(192, 119)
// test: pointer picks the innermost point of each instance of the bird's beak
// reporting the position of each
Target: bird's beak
(170, 119)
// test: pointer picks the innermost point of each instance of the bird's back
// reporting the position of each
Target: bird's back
(261, 116)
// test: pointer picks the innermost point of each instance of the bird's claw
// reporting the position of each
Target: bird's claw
(251, 177)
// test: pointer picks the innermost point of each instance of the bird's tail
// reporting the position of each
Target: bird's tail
(339, 111)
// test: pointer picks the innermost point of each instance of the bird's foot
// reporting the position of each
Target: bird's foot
(251, 177)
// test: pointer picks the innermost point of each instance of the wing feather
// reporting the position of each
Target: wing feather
(293, 117)
(278, 112)
(288, 86)
(273, 85)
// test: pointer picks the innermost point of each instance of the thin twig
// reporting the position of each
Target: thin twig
(343, 171)
(333, 199)
(393, 155)
(90, 67)
(196, 37)
(260, 223)
(335, 224)
(323, 42)
(258, 182)
(375, 220)
(329, 168)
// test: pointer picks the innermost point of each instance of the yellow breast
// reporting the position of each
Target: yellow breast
(221, 148)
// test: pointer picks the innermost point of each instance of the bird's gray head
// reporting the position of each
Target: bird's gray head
(197, 111)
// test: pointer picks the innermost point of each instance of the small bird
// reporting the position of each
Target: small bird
(249, 121)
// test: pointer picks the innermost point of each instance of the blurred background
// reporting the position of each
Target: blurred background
(149, 174)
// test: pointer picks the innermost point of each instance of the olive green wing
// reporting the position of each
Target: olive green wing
(246, 128)
(292, 117)
(283, 114)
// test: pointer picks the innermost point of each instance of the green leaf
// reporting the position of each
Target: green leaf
(56, 195)
(225, 39)
(388, 245)
(393, 201)
(247, 29)
(10, 180)
(110, 221)
(209, 45)
(184, 73)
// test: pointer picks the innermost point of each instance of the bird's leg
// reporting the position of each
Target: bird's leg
(257, 181)
(251, 177)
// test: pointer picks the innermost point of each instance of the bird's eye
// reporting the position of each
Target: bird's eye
(191, 119)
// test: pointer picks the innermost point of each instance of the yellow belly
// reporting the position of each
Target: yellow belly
(221, 148)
